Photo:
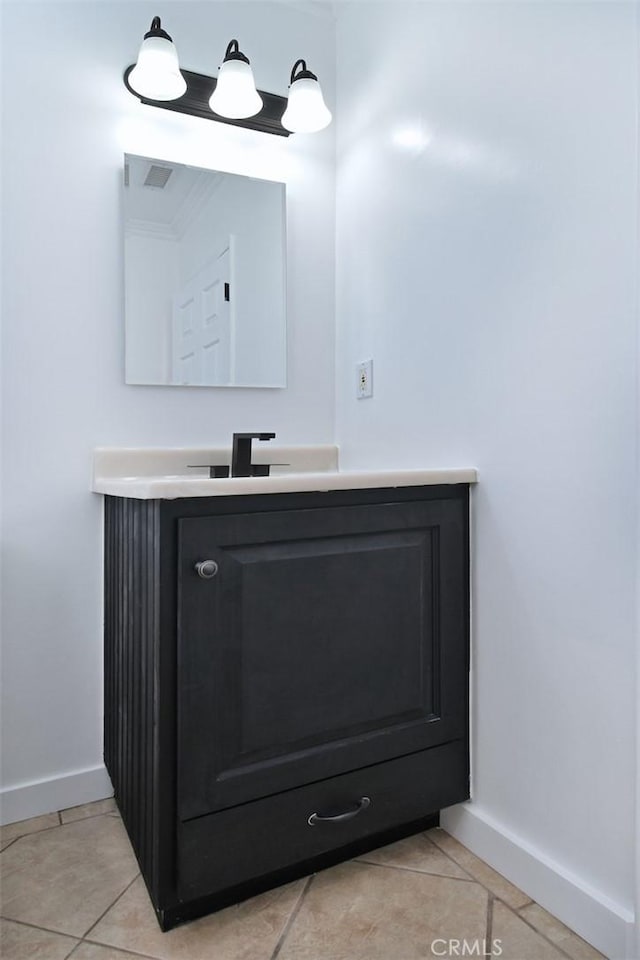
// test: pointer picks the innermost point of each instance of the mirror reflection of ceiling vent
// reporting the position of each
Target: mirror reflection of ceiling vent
(157, 176)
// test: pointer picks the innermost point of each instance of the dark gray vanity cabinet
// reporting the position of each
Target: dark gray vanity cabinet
(286, 681)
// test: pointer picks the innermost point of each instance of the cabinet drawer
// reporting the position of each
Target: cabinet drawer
(223, 849)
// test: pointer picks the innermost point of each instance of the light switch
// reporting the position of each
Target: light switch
(364, 381)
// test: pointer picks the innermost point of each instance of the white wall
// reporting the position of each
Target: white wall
(487, 260)
(67, 120)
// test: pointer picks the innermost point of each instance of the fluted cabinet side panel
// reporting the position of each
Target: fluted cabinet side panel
(131, 642)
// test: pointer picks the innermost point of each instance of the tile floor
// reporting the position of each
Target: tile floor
(71, 888)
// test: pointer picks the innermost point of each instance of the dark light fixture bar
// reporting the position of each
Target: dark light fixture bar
(195, 103)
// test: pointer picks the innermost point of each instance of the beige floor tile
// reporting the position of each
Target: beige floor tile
(65, 878)
(478, 869)
(248, 931)
(416, 853)
(94, 951)
(14, 830)
(357, 911)
(553, 929)
(88, 810)
(517, 940)
(18, 942)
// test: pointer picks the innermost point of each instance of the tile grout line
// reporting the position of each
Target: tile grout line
(55, 826)
(15, 840)
(105, 912)
(544, 936)
(487, 888)
(422, 873)
(34, 833)
(514, 910)
(446, 854)
(84, 939)
(494, 896)
(126, 952)
(292, 916)
(34, 926)
(488, 943)
(92, 816)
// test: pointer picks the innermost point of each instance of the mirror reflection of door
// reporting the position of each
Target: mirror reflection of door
(203, 326)
(188, 232)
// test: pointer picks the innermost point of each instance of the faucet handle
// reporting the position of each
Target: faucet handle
(254, 436)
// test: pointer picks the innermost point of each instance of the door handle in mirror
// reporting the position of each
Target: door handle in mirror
(206, 569)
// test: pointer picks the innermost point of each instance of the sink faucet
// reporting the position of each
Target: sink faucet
(241, 465)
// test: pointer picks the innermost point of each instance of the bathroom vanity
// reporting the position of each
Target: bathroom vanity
(286, 668)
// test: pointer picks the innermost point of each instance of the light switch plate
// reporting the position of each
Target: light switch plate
(364, 381)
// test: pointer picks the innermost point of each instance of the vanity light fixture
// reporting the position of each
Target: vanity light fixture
(306, 110)
(157, 80)
(235, 95)
(156, 74)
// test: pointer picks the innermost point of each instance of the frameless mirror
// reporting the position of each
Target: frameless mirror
(204, 256)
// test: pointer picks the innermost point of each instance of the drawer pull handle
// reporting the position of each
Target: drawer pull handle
(207, 569)
(361, 805)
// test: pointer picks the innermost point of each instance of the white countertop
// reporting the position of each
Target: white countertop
(163, 474)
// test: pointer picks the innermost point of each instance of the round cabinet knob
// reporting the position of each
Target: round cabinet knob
(207, 569)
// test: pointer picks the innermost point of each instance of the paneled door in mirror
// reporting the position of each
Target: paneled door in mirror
(204, 256)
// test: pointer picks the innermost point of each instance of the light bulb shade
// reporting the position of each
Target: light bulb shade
(156, 75)
(306, 110)
(235, 95)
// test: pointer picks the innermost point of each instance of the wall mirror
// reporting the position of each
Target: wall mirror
(204, 256)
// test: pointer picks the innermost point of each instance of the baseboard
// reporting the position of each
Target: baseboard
(46, 796)
(607, 925)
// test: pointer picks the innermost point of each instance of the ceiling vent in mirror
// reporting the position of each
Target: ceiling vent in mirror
(157, 176)
(231, 97)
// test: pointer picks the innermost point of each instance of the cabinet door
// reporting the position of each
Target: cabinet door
(330, 639)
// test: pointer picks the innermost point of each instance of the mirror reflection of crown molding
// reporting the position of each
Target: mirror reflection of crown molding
(198, 196)
(149, 228)
(195, 103)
